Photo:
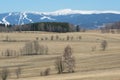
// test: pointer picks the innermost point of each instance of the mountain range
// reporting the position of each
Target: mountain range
(86, 19)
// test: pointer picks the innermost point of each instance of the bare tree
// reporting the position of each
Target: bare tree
(68, 59)
(7, 52)
(46, 50)
(28, 48)
(52, 38)
(65, 63)
(104, 45)
(59, 65)
(57, 37)
(36, 46)
(80, 37)
(67, 38)
(18, 72)
(4, 74)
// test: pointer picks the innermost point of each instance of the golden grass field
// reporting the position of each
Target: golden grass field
(90, 65)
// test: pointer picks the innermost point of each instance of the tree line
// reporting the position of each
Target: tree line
(41, 26)
(111, 28)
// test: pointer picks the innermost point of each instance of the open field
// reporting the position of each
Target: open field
(90, 65)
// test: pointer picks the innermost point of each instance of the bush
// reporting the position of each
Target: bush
(104, 45)
(52, 38)
(46, 72)
(67, 38)
(80, 37)
(4, 74)
(57, 37)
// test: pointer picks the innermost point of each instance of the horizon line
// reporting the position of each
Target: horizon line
(67, 11)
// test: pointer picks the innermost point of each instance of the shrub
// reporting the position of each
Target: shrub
(4, 74)
(47, 72)
(104, 45)
(52, 38)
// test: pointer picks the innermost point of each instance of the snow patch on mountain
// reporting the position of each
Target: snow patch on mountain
(36, 13)
(20, 18)
(70, 11)
(23, 15)
(4, 21)
(46, 17)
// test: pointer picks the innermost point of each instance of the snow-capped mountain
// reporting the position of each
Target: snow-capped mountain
(87, 19)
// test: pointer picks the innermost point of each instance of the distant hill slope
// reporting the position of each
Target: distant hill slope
(86, 19)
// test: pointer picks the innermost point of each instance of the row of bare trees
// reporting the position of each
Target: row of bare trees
(34, 48)
(30, 48)
(63, 64)
(111, 28)
(67, 38)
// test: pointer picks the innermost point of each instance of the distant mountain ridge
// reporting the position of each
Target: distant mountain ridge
(86, 19)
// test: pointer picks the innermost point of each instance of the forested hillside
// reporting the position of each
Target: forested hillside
(42, 26)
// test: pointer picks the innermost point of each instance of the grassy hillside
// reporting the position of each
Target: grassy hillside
(90, 65)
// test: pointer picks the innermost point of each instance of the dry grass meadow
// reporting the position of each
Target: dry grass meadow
(90, 65)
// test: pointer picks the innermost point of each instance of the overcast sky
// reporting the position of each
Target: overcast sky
(53, 5)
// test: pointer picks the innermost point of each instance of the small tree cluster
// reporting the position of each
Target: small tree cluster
(111, 28)
(34, 48)
(65, 63)
(58, 38)
(104, 45)
(9, 52)
(46, 72)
